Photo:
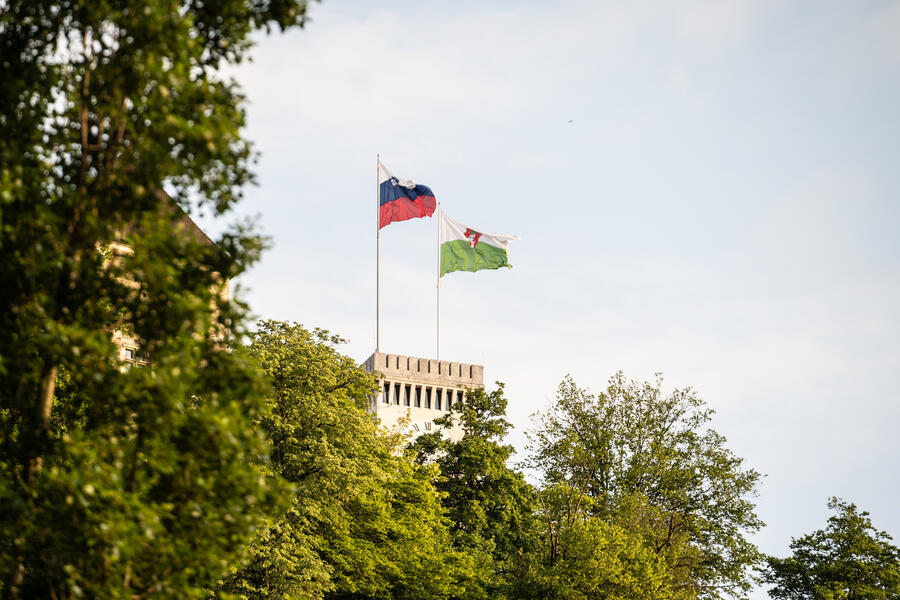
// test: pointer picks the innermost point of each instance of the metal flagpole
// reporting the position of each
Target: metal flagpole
(377, 255)
(439, 219)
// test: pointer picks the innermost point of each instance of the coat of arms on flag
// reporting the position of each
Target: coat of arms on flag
(401, 199)
(465, 249)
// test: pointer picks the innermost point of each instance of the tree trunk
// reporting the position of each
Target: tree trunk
(34, 462)
(41, 423)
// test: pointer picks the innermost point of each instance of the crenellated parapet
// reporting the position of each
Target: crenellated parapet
(401, 366)
(420, 390)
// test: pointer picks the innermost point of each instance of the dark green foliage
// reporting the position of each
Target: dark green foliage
(490, 506)
(648, 464)
(486, 500)
(123, 483)
(848, 560)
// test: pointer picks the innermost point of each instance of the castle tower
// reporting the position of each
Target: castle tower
(422, 388)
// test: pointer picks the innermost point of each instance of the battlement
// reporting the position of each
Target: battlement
(410, 367)
(416, 391)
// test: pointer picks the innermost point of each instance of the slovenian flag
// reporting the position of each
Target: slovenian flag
(401, 199)
(465, 249)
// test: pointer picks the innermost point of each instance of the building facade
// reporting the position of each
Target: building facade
(130, 353)
(420, 390)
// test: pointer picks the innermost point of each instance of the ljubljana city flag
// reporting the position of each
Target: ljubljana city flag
(402, 199)
(465, 249)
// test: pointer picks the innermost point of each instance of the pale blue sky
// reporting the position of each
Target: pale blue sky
(723, 209)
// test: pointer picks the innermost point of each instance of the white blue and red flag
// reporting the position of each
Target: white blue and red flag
(402, 199)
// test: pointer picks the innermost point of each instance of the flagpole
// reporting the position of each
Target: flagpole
(439, 219)
(377, 256)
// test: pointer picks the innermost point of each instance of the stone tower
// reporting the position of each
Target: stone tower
(421, 388)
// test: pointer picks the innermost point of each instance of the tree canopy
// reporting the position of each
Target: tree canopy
(848, 560)
(490, 506)
(124, 483)
(648, 464)
(365, 521)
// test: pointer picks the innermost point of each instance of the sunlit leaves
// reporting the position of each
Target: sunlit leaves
(366, 521)
(649, 463)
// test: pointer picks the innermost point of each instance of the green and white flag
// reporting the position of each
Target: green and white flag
(465, 249)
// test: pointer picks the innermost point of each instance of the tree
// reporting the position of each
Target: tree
(848, 560)
(648, 464)
(141, 482)
(580, 555)
(586, 557)
(490, 506)
(365, 521)
(544, 544)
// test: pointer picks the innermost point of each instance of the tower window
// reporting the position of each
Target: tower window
(135, 356)
(459, 397)
(397, 394)
(428, 398)
(386, 398)
(418, 396)
(406, 397)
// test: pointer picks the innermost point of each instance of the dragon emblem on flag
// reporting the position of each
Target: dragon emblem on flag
(473, 237)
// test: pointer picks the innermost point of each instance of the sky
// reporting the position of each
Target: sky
(706, 189)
